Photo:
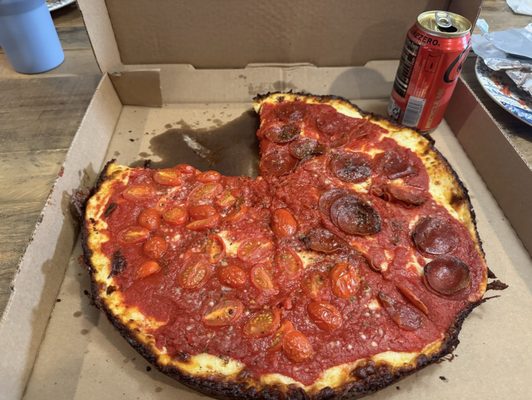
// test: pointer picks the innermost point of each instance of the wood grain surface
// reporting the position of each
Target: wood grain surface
(39, 115)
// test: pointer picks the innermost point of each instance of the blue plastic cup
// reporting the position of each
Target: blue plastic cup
(28, 36)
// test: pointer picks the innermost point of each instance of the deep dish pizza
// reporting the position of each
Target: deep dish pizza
(350, 262)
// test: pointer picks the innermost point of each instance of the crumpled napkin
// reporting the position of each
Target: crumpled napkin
(520, 6)
(509, 50)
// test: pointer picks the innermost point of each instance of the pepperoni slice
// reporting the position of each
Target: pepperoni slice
(147, 268)
(315, 285)
(283, 223)
(305, 147)
(404, 316)
(282, 133)
(133, 234)
(195, 273)
(263, 323)
(215, 249)
(204, 193)
(330, 122)
(354, 216)
(176, 215)
(291, 111)
(434, 236)
(322, 240)
(447, 275)
(149, 218)
(277, 163)
(262, 279)
(232, 276)
(395, 165)
(325, 315)
(138, 193)
(297, 347)
(345, 280)
(406, 194)
(351, 167)
(209, 176)
(289, 263)
(168, 177)
(329, 197)
(255, 250)
(155, 247)
(225, 313)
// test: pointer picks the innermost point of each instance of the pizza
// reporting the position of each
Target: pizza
(349, 262)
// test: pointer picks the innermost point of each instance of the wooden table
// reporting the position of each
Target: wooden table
(39, 115)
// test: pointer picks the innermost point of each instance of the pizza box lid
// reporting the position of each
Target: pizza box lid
(129, 35)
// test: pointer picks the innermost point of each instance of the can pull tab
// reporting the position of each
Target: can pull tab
(444, 22)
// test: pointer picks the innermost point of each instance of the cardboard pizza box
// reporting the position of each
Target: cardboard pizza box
(178, 73)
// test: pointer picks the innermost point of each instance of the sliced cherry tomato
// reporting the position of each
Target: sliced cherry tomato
(263, 323)
(176, 215)
(297, 347)
(186, 169)
(232, 276)
(155, 247)
(148, 268)
(277, 342)
(209, 176)
(325, 315)
(225, 313)
(215, 249)
(226, 199)
(203, 224)
(283, 223)
(201, 212)
(255, 250)
(314, 285)
(204, 193)
(195, 273)
(345, 280)
(289, 263)
(149, 218)
(237, 214)
(133, 234)
(139, 193)
(168, 177)
(262, 279)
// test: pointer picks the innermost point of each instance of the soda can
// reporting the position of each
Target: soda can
(433, 54)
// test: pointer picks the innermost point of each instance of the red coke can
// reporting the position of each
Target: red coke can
(433, 54)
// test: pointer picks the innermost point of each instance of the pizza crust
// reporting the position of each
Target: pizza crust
(227, 377)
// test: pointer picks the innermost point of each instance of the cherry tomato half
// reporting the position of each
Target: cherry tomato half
(325, 315)
(262, 323)
(202, 211)
(155, 247)
(204, 193)
(262, 279)
(255, 250)
(283, 223)
(209, 176)
(277, 342)
(149, 218)
(168, 177)
(139, 193)
(226, 199)
(345, 280)
(195, 273)
(225, 313)
(148, 268)
(133, 234)
(176, 216)
(297, 347)
(315, 285)
(232, 276)
(215, 249)
(203, 224)
(289, 263)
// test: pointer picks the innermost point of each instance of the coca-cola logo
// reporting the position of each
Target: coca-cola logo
(453, 70)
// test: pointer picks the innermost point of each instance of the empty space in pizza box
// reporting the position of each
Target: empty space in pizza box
(152, 103)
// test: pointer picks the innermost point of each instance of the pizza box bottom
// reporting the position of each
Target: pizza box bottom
(82, 356)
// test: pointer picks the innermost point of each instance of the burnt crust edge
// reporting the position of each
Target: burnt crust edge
(232, 389)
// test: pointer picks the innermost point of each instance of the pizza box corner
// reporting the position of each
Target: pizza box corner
(179, 68)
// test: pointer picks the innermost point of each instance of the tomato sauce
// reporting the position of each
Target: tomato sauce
(270, 312)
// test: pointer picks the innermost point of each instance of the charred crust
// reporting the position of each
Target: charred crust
(109, 210)
(118, 263)
(497, 285)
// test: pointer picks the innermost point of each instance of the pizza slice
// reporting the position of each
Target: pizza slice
(349, 263)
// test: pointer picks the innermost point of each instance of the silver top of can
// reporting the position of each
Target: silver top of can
(444, 23)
